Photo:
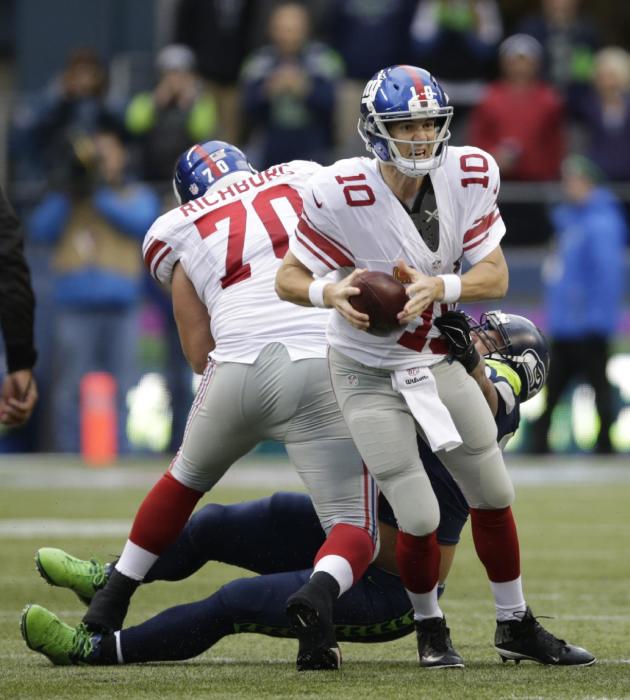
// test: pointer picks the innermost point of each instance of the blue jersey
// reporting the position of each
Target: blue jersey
(453, 505)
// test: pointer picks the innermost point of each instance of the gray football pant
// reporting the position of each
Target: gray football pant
(238, 405)
(384, 431)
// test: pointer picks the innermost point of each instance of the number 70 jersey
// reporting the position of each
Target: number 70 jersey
(230, 243)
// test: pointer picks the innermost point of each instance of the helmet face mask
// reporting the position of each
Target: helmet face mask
(202, 166)
(404, 93)
(521, 345)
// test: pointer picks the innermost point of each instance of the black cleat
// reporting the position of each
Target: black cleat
(527, 640)
(435, 649)
(310, 613)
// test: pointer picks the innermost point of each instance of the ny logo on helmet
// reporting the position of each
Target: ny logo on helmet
(369, 93)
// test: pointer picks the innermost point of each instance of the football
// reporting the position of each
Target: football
(382, 298)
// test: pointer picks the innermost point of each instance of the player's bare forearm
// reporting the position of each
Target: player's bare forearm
(193, 322)
(293, 280)
(487, 279)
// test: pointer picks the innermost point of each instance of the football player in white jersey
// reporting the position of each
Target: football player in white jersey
(265, 376)
(415, 211)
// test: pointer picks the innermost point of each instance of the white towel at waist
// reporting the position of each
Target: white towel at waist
(419, 390)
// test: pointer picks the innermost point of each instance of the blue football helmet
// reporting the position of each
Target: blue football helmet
(199, 168)
(400, 93)
(522, 346)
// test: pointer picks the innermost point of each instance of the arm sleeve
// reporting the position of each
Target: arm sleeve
(508, 386)
(318, 241)
(17, 302)
(484, 227)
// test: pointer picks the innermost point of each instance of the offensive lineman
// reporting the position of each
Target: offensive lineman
(415, 210)
(267, 377)
(278, 537)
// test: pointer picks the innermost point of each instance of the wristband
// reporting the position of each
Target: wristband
(316, 293)
(452, 288)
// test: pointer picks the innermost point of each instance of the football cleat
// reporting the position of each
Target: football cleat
(435, 649)
(83, 577)
(45, 633)
(310, 614)
(527, 640)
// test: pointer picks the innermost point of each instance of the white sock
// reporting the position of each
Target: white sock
(509, 599)
(337, 567)
(119, 656)
(135, 562)
(425, 605)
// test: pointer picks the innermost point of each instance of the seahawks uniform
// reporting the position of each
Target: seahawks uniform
(277, 538)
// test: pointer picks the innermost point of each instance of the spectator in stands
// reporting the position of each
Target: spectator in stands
(569, 41)
(178, 112)
(73, 105)
(475, 28)
(604, 113)
(95, 225)
(288, 90)
(367, 36)
(520, 119)
(220, 34)
(584, 290)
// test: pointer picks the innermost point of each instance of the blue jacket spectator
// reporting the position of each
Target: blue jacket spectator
(584, 280)
(288, 91)
(584, 290)
(95, 228)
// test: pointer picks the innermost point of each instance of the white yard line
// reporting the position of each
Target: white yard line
(60, 527)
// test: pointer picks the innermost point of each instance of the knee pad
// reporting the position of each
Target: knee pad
(496, 486)
(414, 503)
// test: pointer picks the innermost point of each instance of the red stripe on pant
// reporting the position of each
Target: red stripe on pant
(353, 544)
(418, 561)
(163, 514)
(496, 541)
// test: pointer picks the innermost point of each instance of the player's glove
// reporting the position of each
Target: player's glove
(454, 327)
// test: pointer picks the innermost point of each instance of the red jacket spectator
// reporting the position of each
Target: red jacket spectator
(520, 120)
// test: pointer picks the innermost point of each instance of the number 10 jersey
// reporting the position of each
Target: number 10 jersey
(352, 219)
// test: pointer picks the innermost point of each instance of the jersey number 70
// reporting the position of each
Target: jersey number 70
(235, 270)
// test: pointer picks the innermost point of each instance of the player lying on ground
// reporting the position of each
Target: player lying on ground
(277, 538)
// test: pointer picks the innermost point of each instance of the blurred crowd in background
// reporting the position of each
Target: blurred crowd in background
(89, 159)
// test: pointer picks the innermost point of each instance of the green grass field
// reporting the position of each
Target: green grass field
(576, 568)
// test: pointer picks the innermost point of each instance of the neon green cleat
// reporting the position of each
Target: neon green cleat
(83, 576)
(44, 632)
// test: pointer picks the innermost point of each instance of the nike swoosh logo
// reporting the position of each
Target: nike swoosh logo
(317, 204)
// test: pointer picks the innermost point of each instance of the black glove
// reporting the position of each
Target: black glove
(454, 327)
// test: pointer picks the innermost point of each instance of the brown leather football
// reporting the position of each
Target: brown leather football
(382, 298)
